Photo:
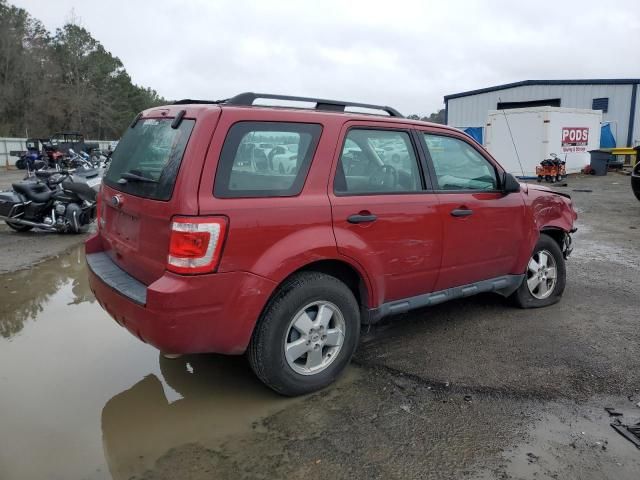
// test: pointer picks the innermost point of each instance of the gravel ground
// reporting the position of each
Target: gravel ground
(474, 388)
(471, 389)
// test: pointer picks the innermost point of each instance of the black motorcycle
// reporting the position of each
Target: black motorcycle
(60, 201)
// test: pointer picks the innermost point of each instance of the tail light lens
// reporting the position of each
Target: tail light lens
(196, 244)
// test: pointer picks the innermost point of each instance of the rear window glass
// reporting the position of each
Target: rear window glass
(265, 159)
(148, 157)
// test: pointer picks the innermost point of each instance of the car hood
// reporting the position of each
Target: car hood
(542, 188)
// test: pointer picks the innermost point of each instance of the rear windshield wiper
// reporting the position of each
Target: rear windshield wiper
(134, 177)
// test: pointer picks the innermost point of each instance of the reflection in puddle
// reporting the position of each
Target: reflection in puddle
(25, 293)
(221, 397)
(82, 398)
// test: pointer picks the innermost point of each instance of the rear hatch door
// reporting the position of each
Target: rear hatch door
(154, 175)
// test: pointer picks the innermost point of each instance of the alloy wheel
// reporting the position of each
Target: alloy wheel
(314, 338)
(542, 274)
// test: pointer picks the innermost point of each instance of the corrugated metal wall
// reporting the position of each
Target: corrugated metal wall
(471, 111)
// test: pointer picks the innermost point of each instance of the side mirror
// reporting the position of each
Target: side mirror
(509, 184)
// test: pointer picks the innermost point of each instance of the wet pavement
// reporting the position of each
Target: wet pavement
(469, 389)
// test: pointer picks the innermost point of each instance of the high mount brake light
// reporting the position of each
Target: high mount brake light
(195, 245)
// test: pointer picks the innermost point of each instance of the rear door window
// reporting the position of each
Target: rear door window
(148, 157)
(265, 159)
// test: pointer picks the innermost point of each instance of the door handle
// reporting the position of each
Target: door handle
(461, 212)
(362, 218)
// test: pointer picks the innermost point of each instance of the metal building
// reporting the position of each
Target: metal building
(618, 99)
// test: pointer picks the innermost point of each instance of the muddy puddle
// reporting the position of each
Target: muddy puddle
(81, 398)
(575, 441)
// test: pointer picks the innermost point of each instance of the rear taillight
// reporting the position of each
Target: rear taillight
(196, 244)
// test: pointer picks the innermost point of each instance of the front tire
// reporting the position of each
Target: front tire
(545, 277)
(635, 181)
(306, 335)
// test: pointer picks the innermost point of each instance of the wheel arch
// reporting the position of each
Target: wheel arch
(556, 233)
(343, 270)
(346, 273)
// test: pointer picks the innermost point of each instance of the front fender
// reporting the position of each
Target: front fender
(553, 211)
(548, 211)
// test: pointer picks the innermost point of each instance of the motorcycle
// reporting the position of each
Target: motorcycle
(58, 201)
(80, 161)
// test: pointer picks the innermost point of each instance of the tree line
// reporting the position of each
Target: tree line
(62, 81)
(66, 81)
(437, 117)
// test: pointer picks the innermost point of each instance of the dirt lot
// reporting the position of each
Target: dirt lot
(473, 389)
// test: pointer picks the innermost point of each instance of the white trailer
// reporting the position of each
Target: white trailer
(537, 132)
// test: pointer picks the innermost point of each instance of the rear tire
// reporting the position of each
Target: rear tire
(17, 227)
(545, 277)
(635, 181)
(296, 347)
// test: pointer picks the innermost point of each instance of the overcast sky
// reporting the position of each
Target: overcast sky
(407, 54)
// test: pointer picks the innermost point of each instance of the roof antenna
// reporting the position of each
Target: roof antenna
(512, 140)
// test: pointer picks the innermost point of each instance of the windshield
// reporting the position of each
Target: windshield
(148, 157)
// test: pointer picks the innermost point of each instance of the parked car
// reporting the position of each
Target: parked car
(251, 158)
(284, 158)
(194, 253)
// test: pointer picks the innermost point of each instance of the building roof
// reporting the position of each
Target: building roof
(526, 83)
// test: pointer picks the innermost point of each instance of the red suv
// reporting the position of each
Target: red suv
(230, 227)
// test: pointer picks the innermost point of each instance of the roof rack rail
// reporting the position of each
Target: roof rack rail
(248, 98)
(188, 101)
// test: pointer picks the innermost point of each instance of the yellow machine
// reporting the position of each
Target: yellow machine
(630, 154)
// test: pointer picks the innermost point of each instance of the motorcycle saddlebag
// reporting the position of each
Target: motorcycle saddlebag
(7, 202)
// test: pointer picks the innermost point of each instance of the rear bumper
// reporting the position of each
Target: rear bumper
(185, 314)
